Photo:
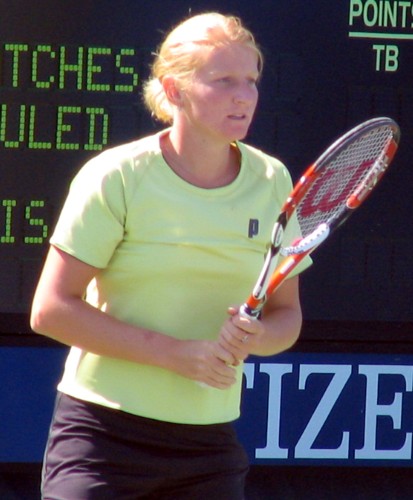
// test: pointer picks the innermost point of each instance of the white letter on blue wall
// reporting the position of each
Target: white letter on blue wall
(276, 372)
(341, 374)
(393, 410)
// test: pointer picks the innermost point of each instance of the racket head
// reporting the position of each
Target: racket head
(345, 174)
(326, 194)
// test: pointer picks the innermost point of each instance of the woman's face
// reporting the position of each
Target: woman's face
(221, 99)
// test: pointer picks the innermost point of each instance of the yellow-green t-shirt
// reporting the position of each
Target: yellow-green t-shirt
(172, 258)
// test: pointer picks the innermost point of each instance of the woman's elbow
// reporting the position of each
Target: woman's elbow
(38, 319)
(41, 317)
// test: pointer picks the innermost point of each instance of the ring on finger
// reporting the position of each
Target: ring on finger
(244, 339)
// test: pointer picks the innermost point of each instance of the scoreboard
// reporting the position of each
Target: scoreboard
(70, 83)
(71, 76)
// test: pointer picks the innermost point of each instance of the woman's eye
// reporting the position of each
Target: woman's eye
(224, 79)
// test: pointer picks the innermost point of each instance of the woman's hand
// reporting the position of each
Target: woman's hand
(240, 335)
(277, 329)
(207, 362)
(60, 312)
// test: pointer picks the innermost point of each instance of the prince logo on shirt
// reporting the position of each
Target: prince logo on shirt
(253, 228)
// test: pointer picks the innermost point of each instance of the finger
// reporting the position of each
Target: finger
(247, 325)
(230, 334)
(238, 349)
(232, 310)
(224, 374)
(220, 376)
(245, 338)
(225, 353)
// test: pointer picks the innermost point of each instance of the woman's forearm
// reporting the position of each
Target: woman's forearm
(74, 322)
(281, 330)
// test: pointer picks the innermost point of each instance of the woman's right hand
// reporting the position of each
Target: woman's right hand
(205, 361)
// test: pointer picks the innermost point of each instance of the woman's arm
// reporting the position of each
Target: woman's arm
(275, 332)
(59, 312)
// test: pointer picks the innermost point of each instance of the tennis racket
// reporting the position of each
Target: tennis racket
(327, 193)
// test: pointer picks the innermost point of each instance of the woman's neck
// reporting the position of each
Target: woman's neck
(200, 163)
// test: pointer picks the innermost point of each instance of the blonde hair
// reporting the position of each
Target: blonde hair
(180, 55)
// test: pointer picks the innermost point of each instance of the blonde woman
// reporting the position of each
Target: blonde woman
(157, 243)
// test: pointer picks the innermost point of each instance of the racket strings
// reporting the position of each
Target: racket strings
(344, 171)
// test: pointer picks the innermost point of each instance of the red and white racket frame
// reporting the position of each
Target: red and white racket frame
(270, 279)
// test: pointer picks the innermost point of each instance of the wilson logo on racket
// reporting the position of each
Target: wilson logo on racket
(326, 195)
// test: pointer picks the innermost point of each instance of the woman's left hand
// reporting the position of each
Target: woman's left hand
(240, 335)
(276, 331)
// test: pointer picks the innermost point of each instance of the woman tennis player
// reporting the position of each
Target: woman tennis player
(157, 244)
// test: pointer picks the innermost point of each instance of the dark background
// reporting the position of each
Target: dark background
(318, 82)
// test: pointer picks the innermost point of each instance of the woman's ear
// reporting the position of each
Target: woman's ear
(172, 92)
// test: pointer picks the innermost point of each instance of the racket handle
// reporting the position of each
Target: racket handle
(248, 312)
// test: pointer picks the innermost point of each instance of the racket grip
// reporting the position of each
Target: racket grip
(248, 312)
